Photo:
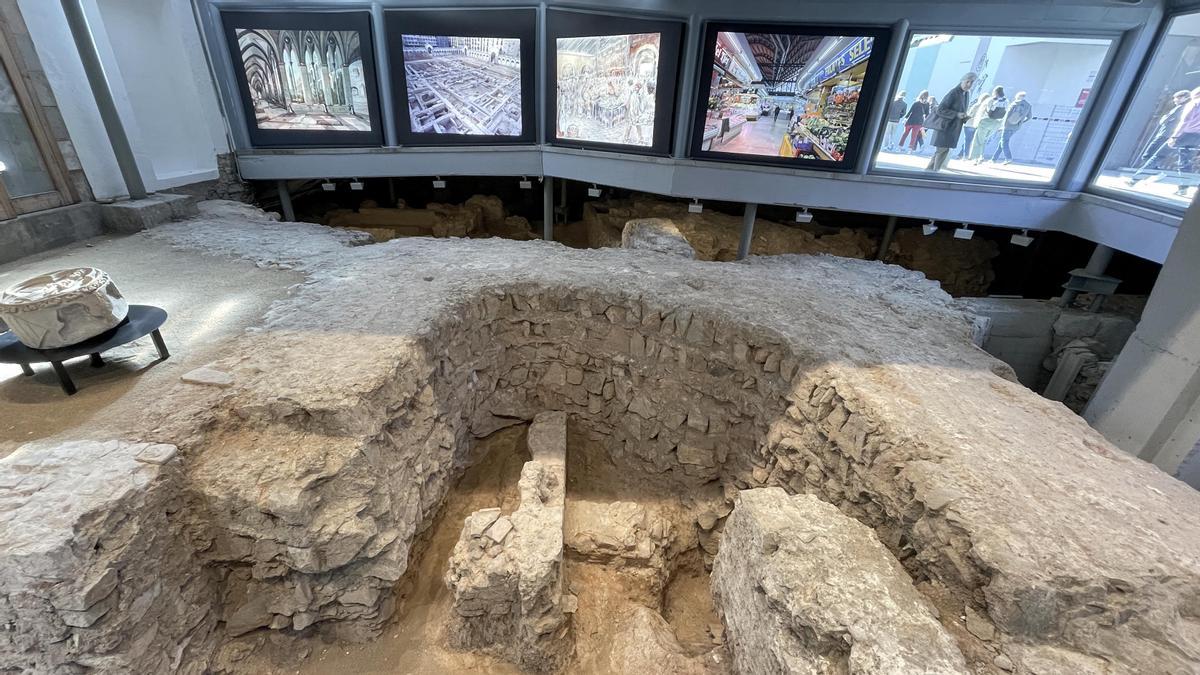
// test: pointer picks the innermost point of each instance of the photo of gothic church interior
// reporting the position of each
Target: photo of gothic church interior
(305, 80)
(463, 85)
(606, 88)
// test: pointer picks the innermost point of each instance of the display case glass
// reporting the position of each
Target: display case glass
(463, 76)
(1154, 155)
(305, 78)
(786, 95)
(611, 81)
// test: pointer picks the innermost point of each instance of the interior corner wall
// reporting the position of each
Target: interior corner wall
(151, 52)
(56, 50)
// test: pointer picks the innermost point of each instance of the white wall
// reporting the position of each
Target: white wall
(150, 49)
(160, 82)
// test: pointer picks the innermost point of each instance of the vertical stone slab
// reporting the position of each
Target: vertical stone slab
(506, 571)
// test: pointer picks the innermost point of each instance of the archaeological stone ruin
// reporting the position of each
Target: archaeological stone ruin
(617, 460)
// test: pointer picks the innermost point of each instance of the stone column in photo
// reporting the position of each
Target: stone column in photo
(285, 88)
(305, 77)
(1149, 404)
(325, 83)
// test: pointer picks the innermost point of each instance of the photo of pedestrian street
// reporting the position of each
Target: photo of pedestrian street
(1015, 117)
(463, 85)
(303, 80)
(606, 88)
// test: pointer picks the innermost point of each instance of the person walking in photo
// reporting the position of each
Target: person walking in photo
(948, 120)
(969, 127)
(1019, 112)
(1186, 140)
(988, 120)
(1157, 149)
(928, 134)
(915, 120)
(896, 110)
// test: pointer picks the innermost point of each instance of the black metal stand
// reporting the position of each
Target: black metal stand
(142, 320)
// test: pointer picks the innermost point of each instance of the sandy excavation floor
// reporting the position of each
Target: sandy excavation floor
(209, 299)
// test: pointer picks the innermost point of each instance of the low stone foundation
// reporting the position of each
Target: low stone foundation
(97, 569)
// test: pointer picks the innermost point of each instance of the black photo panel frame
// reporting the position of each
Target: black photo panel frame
(454, 24)
(565, 24)
(818, 144)
(280, 47)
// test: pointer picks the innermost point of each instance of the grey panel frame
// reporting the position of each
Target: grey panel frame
(1143, 230)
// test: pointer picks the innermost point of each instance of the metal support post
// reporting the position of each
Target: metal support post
(548, 208)
(86, 45)
(748, 217)
(888, 233)
(285, 201)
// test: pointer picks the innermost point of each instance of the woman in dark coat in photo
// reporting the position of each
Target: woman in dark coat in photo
(948, 120)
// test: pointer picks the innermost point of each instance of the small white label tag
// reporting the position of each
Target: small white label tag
(439, 184)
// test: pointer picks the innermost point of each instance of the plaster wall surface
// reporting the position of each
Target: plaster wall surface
(171, 104)
(164, 94)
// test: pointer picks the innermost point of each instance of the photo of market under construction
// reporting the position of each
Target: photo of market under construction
(779, 95)
(463, 85)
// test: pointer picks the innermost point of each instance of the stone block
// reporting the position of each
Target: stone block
(135, 215)
(656, 234)
(62, 308)
(803, 588)
(41, 231)
(95, 573)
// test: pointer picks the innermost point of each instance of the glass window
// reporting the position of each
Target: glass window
(21, 165)
(1154, 152)
(991, 107)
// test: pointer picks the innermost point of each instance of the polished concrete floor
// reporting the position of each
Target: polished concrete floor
(208, 299)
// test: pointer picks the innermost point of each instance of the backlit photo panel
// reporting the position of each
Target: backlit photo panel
(606, 88)
(305, 80)
(610, 81)
(463, 85)
(787, 96)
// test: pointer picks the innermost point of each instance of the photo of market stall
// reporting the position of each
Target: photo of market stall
(463, 85)
(606, 88)
(783, 95)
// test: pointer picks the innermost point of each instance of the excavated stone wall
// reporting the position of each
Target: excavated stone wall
(852, 381)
